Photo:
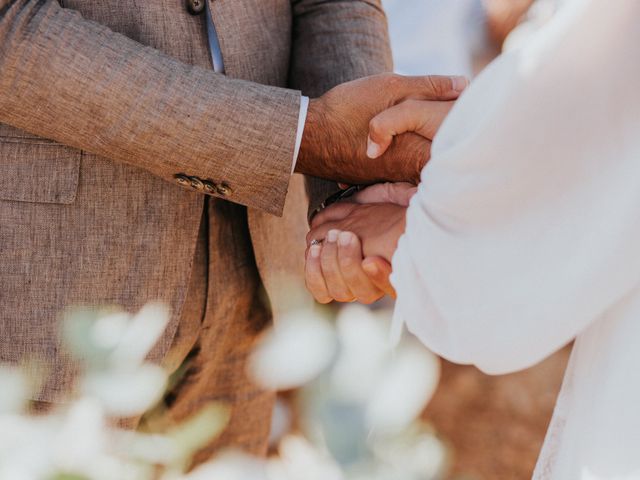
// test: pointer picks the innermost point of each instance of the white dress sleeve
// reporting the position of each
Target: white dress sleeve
(526, 226)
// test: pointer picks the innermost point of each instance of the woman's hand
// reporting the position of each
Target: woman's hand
(351, 243)
(342, 235)
(399, 193)
(412, 115)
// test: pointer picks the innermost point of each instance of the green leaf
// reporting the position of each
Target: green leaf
(69, 476)
(199, 430)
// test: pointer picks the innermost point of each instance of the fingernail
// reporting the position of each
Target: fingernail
(373, 149)
(332, 236)
(459, 83)
(370, 268)
(344, 239)
(315, 251)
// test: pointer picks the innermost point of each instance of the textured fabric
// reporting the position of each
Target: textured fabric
(195, 304)
(126, 91)
(218, 66)
(524, 232)
(41, 170)
(334, 42)
(215, 370)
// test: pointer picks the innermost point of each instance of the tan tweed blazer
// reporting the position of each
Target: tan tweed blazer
(106, 105)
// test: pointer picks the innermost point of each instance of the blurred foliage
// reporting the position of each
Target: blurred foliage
(358, 398)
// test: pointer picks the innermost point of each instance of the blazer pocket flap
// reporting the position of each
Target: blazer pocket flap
(37, 170)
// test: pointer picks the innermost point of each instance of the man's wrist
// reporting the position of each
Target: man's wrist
(312, 157)
(338, 196)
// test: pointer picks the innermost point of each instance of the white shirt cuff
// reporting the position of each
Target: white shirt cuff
(302, 118)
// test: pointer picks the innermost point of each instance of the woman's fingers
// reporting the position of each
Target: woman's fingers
(332, 213)
(350, 261)
(313, 275)
(319, 234)
(335, 270)
(399, 193)
(378, 270)
(336, 285)
(421, 117)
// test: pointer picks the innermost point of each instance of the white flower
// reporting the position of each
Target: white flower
(14, 390)
(108, 330)
(126, 392)
(141, 334)
(25, 447)
(152, 449)
(84, 445)
(231, 465)
(293, 353)
(364, 350)
(299, 460)
(81, 438)
(393, 385)
(404, 388)
(281, 420)
(416, 453)
(123, 383)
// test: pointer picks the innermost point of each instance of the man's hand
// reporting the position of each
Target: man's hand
(348, 232)
(334, 144)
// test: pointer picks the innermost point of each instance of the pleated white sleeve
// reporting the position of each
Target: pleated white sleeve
(526, 226)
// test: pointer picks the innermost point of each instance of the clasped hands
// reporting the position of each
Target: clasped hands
(377, 129)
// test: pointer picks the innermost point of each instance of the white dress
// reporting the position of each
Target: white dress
(525, 231)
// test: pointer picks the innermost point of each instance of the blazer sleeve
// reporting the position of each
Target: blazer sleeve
(79, 83)
(335, 41)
